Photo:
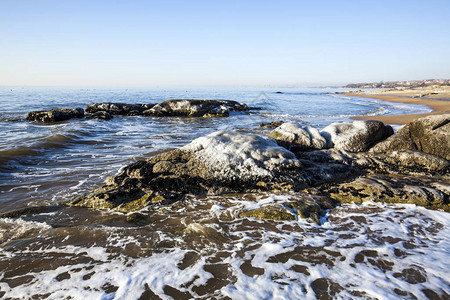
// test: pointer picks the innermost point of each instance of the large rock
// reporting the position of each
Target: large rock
(218, 163)
(123, 109)
(55, 115)
(296, 138)
(195, 108)
(430, 134)
(428, 192)
(355, 136)
(397, 162)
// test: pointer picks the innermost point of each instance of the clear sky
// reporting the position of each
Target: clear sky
(221, 43)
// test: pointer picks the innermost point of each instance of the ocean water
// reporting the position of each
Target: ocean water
(198, 248)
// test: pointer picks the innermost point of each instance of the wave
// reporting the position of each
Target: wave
(56, 141)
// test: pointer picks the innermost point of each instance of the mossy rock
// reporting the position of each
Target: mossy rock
(271, 212)
(112, 197)
(394, 189)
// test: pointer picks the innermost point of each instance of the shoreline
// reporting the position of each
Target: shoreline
(439, 104)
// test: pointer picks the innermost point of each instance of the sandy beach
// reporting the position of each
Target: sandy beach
(438, 99)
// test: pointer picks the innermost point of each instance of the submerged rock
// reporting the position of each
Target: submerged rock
(218, 163)
(270, 212)
(296, 138)
(55, 115)
(271, 125)
(430, 134)
(195, 108)
(305, 208)
(357, 136)
(123, 109)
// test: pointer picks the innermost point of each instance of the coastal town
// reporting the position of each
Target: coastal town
(400, 84)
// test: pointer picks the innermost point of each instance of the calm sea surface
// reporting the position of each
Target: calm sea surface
(198, 248)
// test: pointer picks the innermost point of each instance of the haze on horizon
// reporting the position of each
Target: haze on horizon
(226, 43)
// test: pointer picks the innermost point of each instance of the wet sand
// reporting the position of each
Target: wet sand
(439, 103)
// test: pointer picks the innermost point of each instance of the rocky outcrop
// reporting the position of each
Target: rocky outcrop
(397, 162)
(195, 108)
(428, 192)
(123, 109)
(55, 115)
(357, 136)
(221, 162)
(101, 115)
(229, 162)
(430, 134)
(296, 138)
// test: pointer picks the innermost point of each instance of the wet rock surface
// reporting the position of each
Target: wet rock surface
(101, 115)
(123, 109)
(55, 115)
(195, 108)
(430, 193)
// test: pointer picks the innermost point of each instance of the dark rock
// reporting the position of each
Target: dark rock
(138, 219)
(123, 109)
(102, 115)
(30, 210)
(430, 134)
(195, 108)
(428, 192)
(397, 162)
(55, 115)
(270, 212)
(271, 125)
(357, 136)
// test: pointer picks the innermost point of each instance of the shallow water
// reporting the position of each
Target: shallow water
(198, 248)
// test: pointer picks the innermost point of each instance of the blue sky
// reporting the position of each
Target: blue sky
(221, 43)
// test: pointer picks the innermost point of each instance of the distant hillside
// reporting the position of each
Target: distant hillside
(399, 84)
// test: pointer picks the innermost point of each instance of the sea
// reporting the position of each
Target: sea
(198, 248)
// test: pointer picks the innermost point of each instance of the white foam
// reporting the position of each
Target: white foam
(12, 229)
(350, 229)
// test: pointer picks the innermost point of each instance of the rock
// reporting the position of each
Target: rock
(271, 125)
(430, 134)
(424, 191)
(305, 208)
(55, 115)
(30, 210)
(355, 136)
(270, 212)
(101, 115)
(403, 162)
(296, 138)
(123, 200)
(123, 109)
(138, 219)
(195, 108)
(221, 162)
(397, 162)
